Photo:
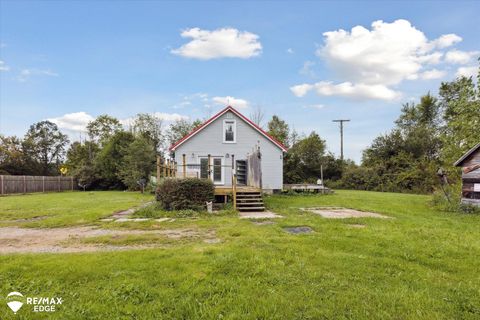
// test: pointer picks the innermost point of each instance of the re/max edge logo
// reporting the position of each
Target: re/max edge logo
(16, 300)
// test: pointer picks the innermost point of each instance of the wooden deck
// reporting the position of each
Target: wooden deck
(227, 191)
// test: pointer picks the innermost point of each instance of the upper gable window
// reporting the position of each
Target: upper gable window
(229, 131)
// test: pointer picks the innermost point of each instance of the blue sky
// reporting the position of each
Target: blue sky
(71, 61)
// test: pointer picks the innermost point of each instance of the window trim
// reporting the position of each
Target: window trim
(234, 130)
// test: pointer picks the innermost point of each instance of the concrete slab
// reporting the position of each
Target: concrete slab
(343, 213)
(297, 230)
(259, 215)
(131, 220)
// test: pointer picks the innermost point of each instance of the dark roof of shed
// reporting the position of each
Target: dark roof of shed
(466, 155)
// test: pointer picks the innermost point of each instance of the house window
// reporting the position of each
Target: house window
(229, 131)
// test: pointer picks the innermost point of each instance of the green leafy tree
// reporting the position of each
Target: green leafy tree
(138, 162)
(181, 128)
(407, 158)
(109, 160)
(303, 160)
(279, 129)
(80, 162)
(45, 144)
(103, 127)
(150, 128)
(460, 102)
(12, 157)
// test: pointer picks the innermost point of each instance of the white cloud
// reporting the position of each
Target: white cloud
(76, 121)
(387, 54)
(359, 91)
(460, 57)
(25, 74)
(368, 62)
(301, 89)
(3, 66)
(290, 50)
(432, 74)
(219, 43)
(446, 40)
(231, 101)
(467, 71)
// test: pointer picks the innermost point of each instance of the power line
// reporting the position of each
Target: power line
(341, 134)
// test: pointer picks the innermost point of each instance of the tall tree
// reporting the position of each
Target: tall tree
(138, 163)
(460, 102)
(103, 127)
(181, 128)
(12, 157)
(150, 128)
(304, 159)
(279, 129)
(109, 160)
(45, 144)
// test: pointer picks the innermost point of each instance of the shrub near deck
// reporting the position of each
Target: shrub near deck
(184, 194)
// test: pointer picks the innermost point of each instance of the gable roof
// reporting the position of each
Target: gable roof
(215, 117)
(466, 155)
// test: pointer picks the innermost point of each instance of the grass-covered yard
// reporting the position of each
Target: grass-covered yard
(421, 264)
(65, 208)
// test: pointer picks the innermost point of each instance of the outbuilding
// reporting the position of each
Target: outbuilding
(470, 163)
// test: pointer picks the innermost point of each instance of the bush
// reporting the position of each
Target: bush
(440, 202)
(185, 194)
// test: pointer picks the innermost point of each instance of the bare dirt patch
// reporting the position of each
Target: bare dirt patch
(60, 240)
(343, 213)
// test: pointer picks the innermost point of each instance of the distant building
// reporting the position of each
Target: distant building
(470, 163)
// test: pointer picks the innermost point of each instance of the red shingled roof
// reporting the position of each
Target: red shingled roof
(209, 121)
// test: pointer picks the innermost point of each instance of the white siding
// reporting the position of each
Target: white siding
(210, 141)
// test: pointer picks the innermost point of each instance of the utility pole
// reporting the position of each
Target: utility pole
(341, 135)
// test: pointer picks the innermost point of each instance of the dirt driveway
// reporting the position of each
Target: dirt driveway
(24, 240)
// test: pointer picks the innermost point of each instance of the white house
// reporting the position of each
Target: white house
(232, 140)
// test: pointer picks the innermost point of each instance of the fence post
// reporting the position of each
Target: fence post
(1, 182)
(164, 161)
(184, 166)
(24, 184)
(59, 184)
(43, 183)
(71, 180)
(175, 168)
(234, 191)
(208, 166)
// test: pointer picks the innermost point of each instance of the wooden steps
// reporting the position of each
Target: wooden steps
(250, 201)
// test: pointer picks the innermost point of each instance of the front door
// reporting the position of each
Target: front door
(216, 169)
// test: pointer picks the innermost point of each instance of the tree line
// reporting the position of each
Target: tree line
(110, 157)
(428, 135)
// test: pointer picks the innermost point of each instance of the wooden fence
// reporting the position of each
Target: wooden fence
(27, 184)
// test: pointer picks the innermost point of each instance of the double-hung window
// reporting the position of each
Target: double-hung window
(229, 131)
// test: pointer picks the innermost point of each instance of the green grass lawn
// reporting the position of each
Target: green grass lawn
(421, 264)
(65, 208)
